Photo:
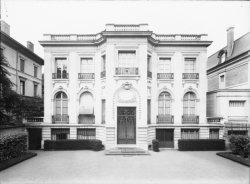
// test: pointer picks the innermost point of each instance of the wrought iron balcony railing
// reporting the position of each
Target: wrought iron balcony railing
(214, 119)
(149, 74)
(190, 119)
(60, 75)
(86, 76)
(165, 119)
(103, 74)
(60, 119)
(190, 76)
(165, 76)
(86, 119)
(126, 71)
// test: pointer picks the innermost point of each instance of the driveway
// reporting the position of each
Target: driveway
(167, 166)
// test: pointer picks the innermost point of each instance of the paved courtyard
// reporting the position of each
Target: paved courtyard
(167, 166)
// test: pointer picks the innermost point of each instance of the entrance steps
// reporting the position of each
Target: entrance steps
(126, 151)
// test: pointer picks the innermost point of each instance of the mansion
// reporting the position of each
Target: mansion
(126, 86)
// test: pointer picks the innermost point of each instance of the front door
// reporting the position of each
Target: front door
(35, 138)
(126, 125)
(165, 138)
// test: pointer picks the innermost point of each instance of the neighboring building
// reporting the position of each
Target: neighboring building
(228, 97)
(126, 86)
(25, 67)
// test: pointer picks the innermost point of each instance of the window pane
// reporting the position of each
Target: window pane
(126, 59)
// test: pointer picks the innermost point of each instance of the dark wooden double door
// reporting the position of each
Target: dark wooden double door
(165, 138)
(35, 138)
(126, 125)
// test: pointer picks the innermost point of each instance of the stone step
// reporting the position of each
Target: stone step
(126, 151)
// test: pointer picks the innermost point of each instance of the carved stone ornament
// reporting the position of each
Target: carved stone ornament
(127, 86)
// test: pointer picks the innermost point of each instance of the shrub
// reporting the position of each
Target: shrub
(239, 144)
(73, 144)
(201, 144)
(12, 146)
(155, 144)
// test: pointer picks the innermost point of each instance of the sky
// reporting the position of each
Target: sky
(30, 19)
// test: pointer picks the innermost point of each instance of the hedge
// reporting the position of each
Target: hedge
(201, 144)
(73, 144)
(12, 146)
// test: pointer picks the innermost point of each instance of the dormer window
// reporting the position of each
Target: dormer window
(222, 56)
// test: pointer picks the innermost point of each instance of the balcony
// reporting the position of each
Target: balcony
(126, 71)
(149, 74)
(192, 76)
(86, 119)
(60, 75)
(190, 119)
(86, 76)
(103, 74)
(214, 120)
(60, 119)
(165, 76)
(33, 120)
(165, 119)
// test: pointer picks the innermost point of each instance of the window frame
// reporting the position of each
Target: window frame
(189, 69)
(188, 131)
(189, 104)
(126, 64)
(35, 71)
(164, 67)
(22, 87)
(166, 102)
(22, 65)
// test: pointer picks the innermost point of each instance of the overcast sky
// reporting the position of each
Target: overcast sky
(29, 20)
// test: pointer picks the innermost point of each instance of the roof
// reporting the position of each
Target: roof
(241, 45)
(17, 46)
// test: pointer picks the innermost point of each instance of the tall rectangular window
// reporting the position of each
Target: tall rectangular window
(149, 64)
(165, 65)
(190, 65)
(35, 90)
(35, 71)
(22, 65)
(103, 111)
(22, 87)
(61, 68)
(126, 59)
(87, 65)
(103, 64)
(149, 111)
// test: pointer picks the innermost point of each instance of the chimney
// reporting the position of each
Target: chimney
(5, 27)
(230, 40)
(30, 46)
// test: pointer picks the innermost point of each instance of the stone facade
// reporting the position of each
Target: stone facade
(126, 84)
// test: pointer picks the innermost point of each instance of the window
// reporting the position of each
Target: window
(149, 111)
(165, 65)
(214, 133)
(222, 81)
(35, 90)
(22, 65)
(126, 59)
(189, 133)
(61, 68)
(189, 103)
(35, 71)
(86, 108)
(223, 58)
(237, 132)
(234, 103)
(59, 133)
(149, 64)
(190, 65)
(103, 65)
(22, 87)
(85, 133)
(87, 65)
(61, 107)
(164, 104)
(103, 110)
